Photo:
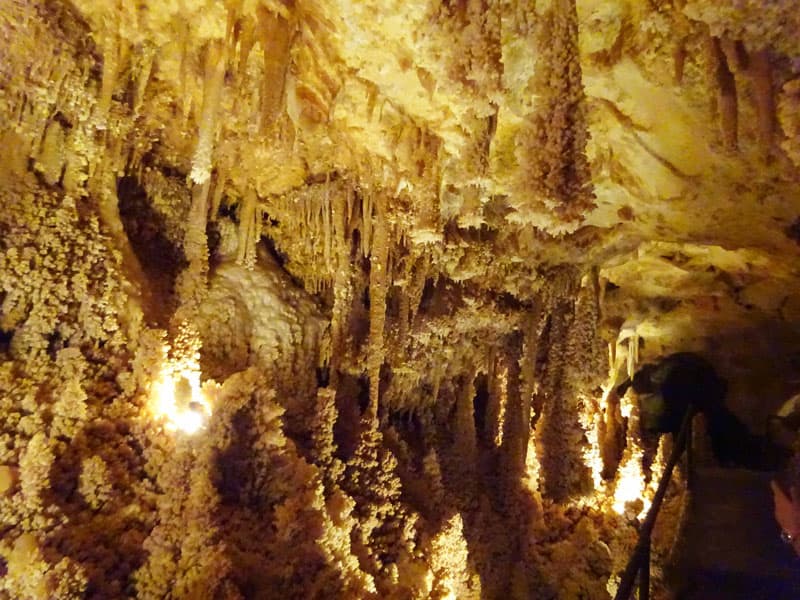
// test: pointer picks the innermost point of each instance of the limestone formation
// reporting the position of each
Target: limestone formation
(329, 298)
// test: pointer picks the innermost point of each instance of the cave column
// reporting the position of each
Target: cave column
(516, 425)
(378, 288)
(466, 439)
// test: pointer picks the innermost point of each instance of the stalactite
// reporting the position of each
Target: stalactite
(727, 102)
(327, 226)
(246, 34)
(108, 210)
(366, 222)
(679, 61)
(585, 345)
(51, 157)
(558, 170)
(378, 288)
(437, 376)
(632, 354)
(182, 27)
(433, 473)
(192, 284)
(788, 113)
(498, 396)
(760, 72)
(275, 35)
(417, 284)
(212, 91)
(735, 56)
(404, 309)
(343, 289)
(111, 59)
(249, 229)
(350, 201)
(145, 59)
(216, 197)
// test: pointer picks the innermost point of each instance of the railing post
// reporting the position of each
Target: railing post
(640, 561)
(689, 455)
(644, 572)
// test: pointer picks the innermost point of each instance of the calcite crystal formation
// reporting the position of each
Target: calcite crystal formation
(329, 298)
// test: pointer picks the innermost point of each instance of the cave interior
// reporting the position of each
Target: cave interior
(331, 298)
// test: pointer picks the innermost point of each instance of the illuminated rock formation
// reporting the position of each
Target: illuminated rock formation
(327, 298)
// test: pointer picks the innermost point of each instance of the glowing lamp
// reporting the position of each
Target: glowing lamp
(179, 400)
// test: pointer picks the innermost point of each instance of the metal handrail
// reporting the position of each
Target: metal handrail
(639, 562)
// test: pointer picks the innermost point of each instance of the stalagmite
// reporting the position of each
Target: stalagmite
(465, 435)
(342, 285)
(629, 483)
(195, 245)
(327, 226)
(532, 332)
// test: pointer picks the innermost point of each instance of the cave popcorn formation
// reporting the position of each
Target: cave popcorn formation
(321, 298)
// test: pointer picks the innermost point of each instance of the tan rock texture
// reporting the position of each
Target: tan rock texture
(326, 298)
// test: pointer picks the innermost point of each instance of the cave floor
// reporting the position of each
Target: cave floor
(731, 548)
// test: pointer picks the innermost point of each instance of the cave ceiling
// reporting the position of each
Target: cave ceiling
(485, 143)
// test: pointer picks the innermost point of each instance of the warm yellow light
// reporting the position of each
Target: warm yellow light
(630, 484)
(532, 466)
(501, 409)
(179, 400)
(630, 476)
(591, 416)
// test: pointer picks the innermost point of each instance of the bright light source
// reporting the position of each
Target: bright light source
(630, 485)
(189, 421)
(179, 400)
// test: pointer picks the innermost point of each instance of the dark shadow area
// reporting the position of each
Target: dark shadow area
(102, 536)
(731, 547)
(159, 257)
(500, 517)
(352, 397)
(480, 404)
(233, 463)
(5, 336)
